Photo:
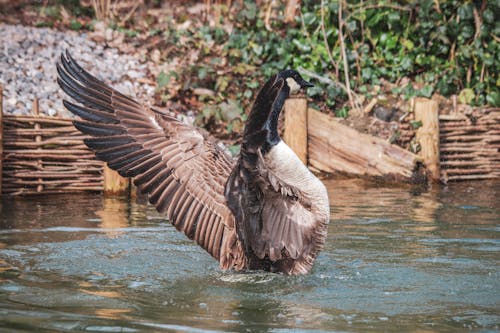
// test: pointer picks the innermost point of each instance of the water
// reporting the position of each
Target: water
(397, 259)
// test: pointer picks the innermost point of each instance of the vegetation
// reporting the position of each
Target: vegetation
(419, 47)
(449, 47)
(352, 50)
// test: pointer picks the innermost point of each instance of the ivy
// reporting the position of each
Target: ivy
(447, 46)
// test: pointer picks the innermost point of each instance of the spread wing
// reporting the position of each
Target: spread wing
(182, 172)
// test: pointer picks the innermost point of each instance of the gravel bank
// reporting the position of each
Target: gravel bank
(28, 59)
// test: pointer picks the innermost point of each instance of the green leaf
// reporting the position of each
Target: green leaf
(426, 91)
(234, 149)
(162, 80)
(406, 63)
(466, 96)
(309, 18)
(252, 84)
(342, 112)
(230, 110)
(394, 16)
(493, 98)
(247, 94)
(488, 16)
(202, 72)
(75, 25)
(222, 83)
(408, 44)
(301, 45)
(258, 49)
(465, 12)
(416, 124)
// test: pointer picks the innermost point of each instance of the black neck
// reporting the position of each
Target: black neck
(273, 136)
(261, 129)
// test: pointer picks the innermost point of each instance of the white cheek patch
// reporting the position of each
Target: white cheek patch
(294, 86)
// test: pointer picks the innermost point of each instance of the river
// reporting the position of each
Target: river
(397, 259)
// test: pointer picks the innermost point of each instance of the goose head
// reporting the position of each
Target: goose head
(267, 108)
(294, 81)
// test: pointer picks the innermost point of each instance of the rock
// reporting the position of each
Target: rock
(108, 34)
(28, 59)
(384, 113)
(203, 92)
(11, 101)
(155, 55)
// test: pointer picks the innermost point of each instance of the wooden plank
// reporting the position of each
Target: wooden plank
(38, 139)
(334, 147)
(295, 134)
(426, 111)
(114, 184)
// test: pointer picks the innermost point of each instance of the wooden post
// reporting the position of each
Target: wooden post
(38, 138)
(295, 134)
(114, 184)
(426, 111)
(1, 138)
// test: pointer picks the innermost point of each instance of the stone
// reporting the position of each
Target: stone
(28, 59)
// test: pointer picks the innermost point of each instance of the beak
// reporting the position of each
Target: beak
(304, 84)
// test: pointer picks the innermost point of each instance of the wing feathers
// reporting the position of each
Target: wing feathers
(90, 114)
(73, 67)
(96, 129)
(163, 202)
(193, 217)
(155, 181)
(183, 211)
(121, 162)
(182, 173)
(109, 141)
(141, 165)
(84, 95)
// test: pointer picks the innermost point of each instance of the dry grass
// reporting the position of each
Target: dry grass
(119, 11)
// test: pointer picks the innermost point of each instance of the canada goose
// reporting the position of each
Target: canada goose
(263, 211)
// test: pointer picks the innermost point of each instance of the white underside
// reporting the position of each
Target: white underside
(289, 169)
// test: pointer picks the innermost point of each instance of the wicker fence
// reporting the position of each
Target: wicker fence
(470, 145)
(43, 155)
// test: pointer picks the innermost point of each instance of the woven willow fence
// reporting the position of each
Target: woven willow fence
(470, 145)
(44, 155)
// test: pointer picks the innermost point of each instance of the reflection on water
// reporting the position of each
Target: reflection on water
(396, 259)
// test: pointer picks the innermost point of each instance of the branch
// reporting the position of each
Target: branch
(327, 80)
(322, 79)
(477, 22)
(377, 6)
(267, 18)
(354, 105)
(323, 30)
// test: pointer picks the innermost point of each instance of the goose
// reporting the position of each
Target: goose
(263, 210)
